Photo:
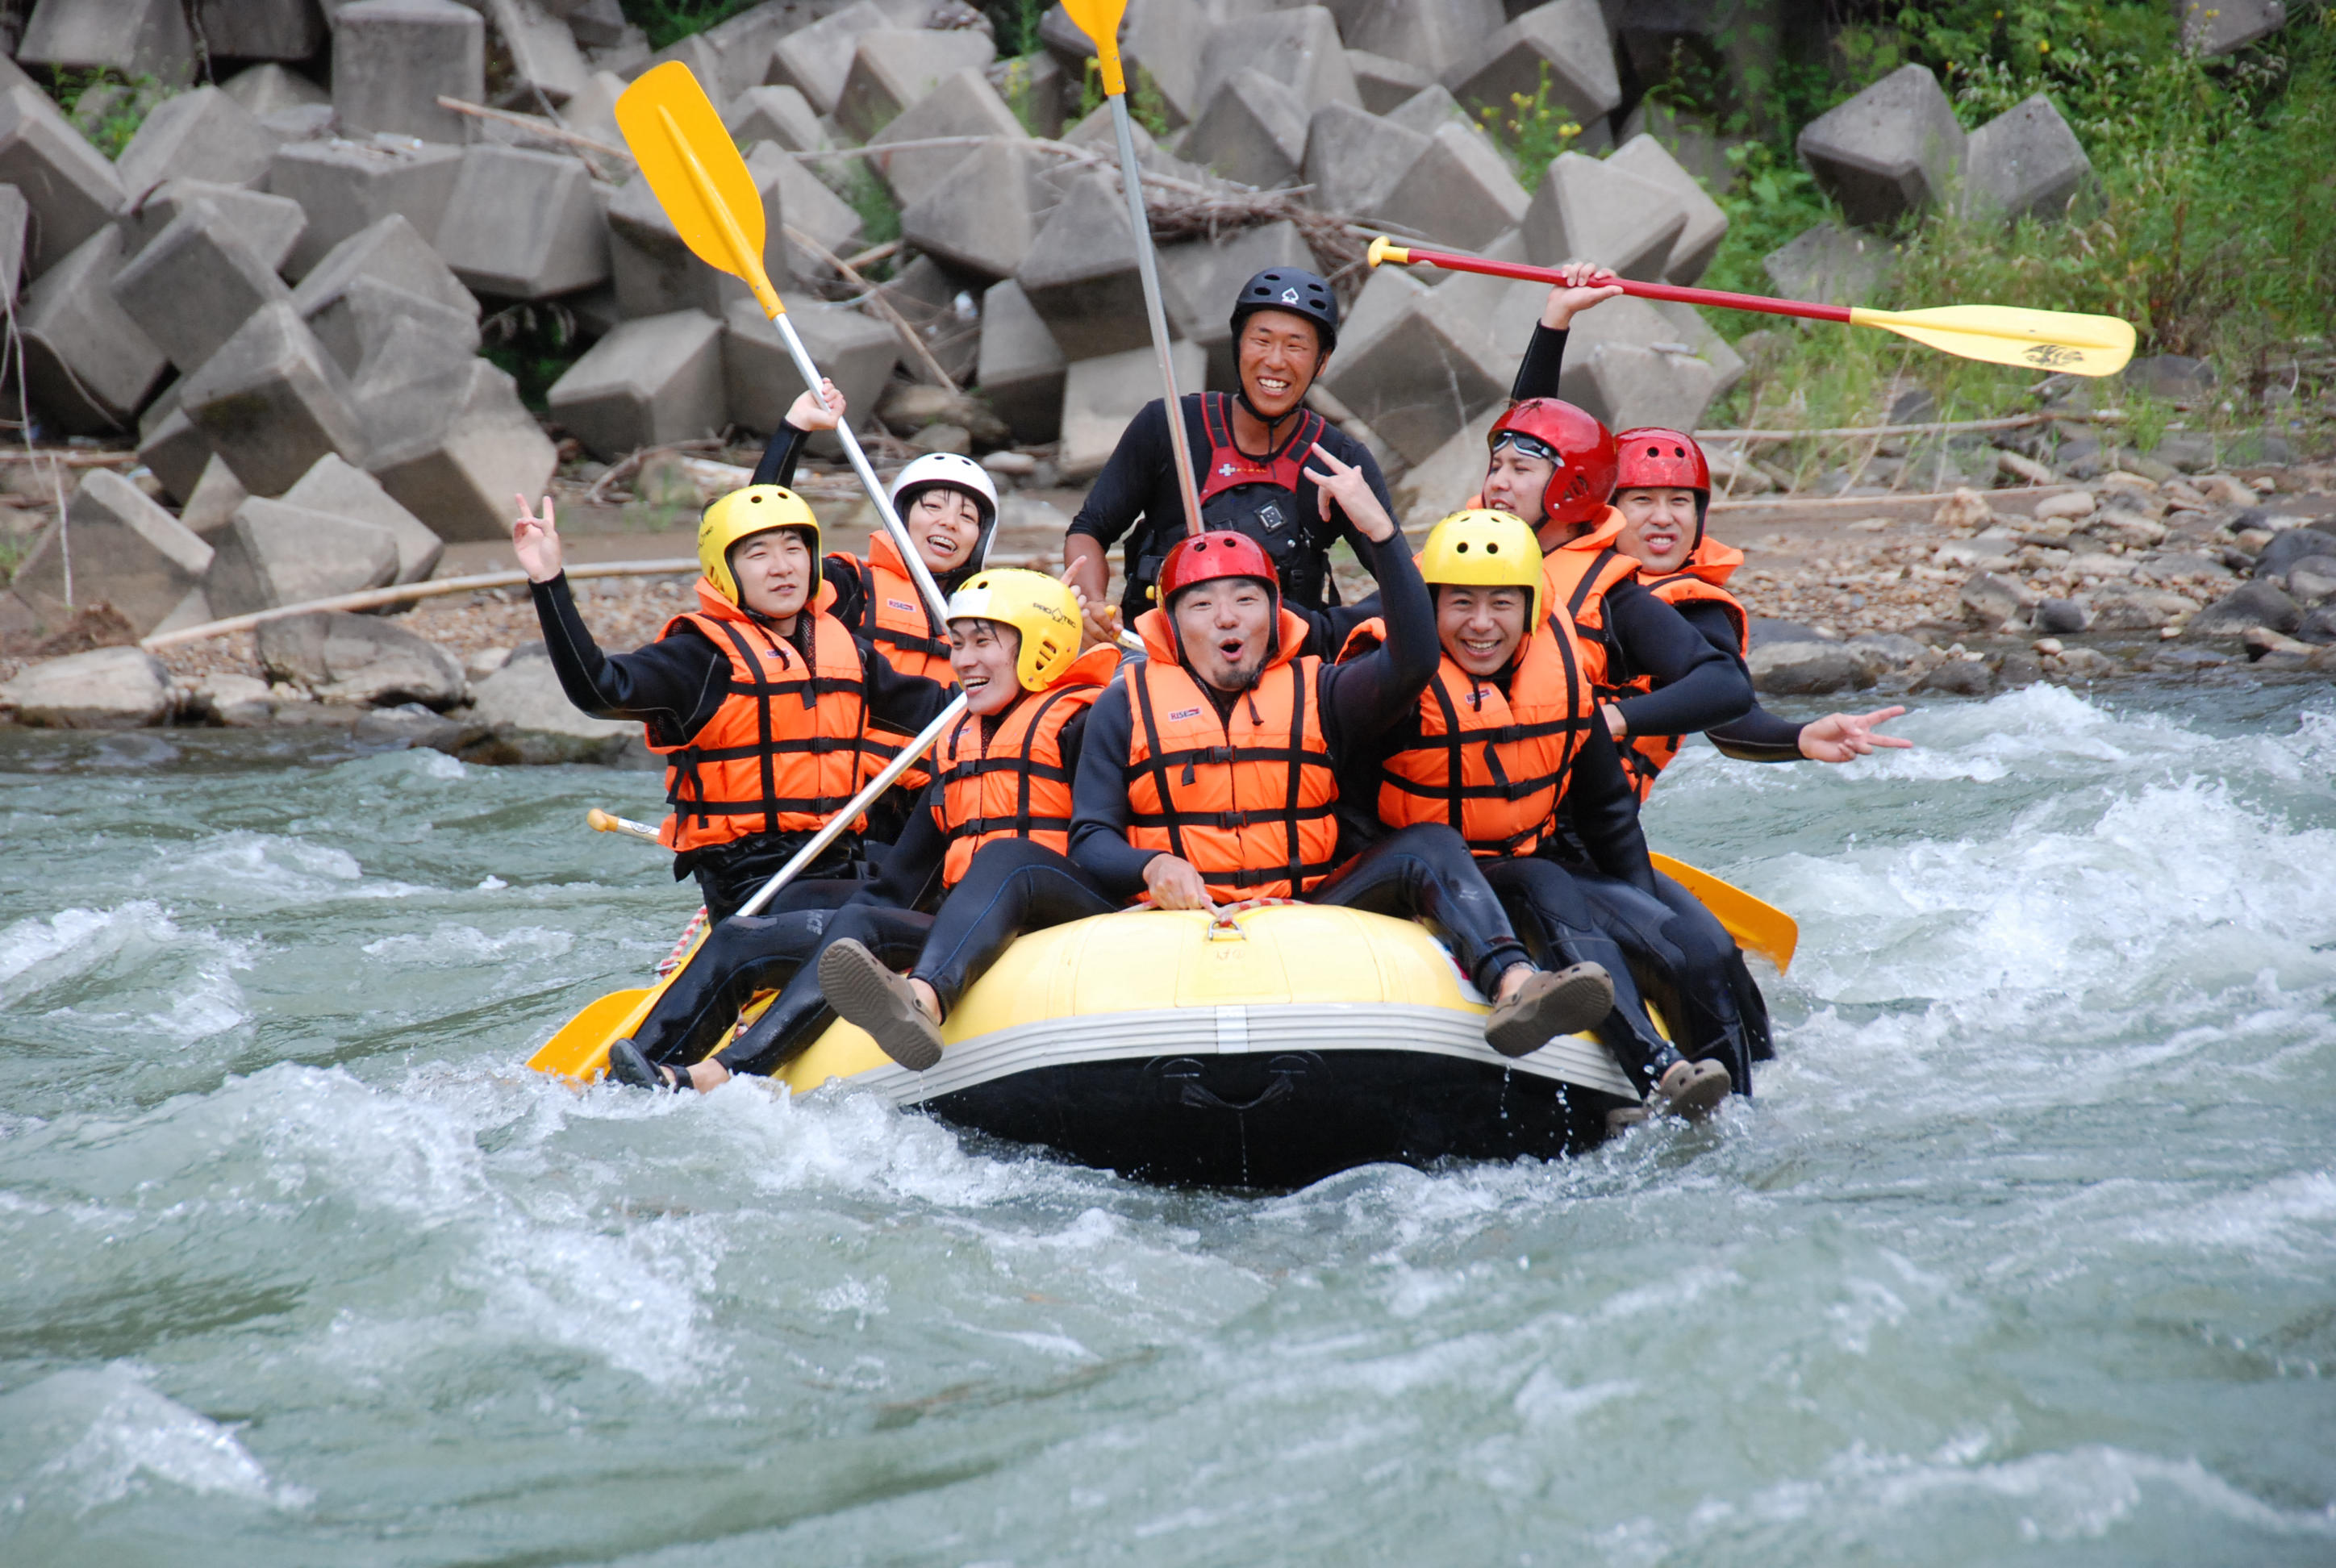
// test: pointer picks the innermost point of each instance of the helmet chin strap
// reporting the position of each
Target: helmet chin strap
(1272, 422)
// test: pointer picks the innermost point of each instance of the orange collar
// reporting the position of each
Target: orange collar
(1607, 530)
(1712, 561)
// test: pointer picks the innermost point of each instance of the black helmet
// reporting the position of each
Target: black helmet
(1293, 290)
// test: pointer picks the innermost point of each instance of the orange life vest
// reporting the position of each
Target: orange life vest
(1015, 784)
(1698, 579)
(1575, 578)
(782, 752)
(892, 620)
(1493, 766)
(1248, 803)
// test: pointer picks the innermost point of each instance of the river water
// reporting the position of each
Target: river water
(2026, 1253)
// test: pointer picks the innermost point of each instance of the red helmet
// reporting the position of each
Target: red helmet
(1221, 553)
(1653, 458)
(1580, 449)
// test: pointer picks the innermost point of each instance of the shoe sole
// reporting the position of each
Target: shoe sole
(627, 1067)
(864, 992)
(1576, 1001)
(1702, 1095)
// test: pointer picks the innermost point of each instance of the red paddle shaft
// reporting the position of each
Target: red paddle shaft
(1714, 296)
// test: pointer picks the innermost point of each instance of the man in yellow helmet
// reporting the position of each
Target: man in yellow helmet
(985, 844)
(1505, 746)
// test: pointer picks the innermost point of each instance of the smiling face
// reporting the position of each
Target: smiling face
(1516, 483)
(1481, 627)
(944, 524)
(1280, 355)
(1657, 527)
(775, 574)
(982, 653)
(1225, 628)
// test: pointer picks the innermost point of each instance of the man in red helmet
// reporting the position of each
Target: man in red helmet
(1209, 774)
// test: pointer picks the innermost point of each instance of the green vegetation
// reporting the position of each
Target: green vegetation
(1531, 131)
(879, 210)
(1014, 24)
(1017, 89)
(535, 344)
(107, 106)
(670, 21)
(1145, 104)
(2214, 229)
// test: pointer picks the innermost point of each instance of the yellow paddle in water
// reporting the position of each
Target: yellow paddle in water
(1755, 924)
(1997, 334)
(694, 170)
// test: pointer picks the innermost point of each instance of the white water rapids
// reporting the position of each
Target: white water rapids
(2025, 1252)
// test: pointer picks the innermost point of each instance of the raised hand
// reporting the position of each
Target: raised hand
(1840, 736)
(1099, 622)
(824, 412)
(536, 541)
(1586, 284)
(1344, 485)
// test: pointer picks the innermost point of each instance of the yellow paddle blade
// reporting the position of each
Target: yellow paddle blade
(580, 1049)
(695, 173)
(1760, 926)
(2007, 334)
(1099, 20)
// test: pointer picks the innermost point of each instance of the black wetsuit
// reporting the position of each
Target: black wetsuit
(1422, 872)
(675, 684)
(1136, 497)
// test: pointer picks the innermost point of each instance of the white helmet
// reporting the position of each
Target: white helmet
(949, 468)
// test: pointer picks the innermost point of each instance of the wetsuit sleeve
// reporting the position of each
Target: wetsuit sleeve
(906, 702)
(842, 572)
(780, 456)
(1362, 699)
(1758, 737)
(1099, 810)
(1605, 813)
(1697, 686)
(1125, 487)
(1544, 358)
(672, 685)
(911, 871)
(1072, 740)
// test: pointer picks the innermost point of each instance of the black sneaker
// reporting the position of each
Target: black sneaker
(627, 1065)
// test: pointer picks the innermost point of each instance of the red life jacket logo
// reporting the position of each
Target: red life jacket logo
(1183, 712)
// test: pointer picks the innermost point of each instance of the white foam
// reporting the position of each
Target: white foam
(451, 946)
(124, 1436)
(133, 952)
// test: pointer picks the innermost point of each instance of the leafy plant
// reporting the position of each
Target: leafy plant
(668, 21)
(535, 344)
(1146, 105)
(879, 212)
(1017, 89)
(1014, 24)
(108, 107)
(1530, 129)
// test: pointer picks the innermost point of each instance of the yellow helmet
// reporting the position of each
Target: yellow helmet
(1481, 547)
(742, 514)
(1043, 611)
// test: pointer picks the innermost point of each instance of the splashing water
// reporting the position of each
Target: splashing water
(2022, 1254)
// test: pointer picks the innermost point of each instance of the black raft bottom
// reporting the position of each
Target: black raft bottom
(1282, 1119)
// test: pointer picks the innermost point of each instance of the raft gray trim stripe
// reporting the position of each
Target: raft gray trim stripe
(1247, 1030)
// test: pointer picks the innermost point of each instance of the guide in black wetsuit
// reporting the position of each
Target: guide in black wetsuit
(1249, 452)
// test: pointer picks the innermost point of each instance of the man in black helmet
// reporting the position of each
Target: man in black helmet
(1251, 453)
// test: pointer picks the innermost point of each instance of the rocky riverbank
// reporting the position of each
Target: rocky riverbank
(2125, 578)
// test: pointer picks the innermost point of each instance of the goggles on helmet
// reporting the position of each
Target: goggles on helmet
(1529, 445)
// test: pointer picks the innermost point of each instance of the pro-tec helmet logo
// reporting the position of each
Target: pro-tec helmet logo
(1289, 296)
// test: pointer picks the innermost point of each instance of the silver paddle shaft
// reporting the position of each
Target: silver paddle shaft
(1140, 223)
(935, 605)
(926, 739)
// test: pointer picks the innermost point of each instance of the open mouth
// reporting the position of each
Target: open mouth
(1474, 649)
(1231, 648)
(1272, 387)
(975, 682)
(942, 544)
